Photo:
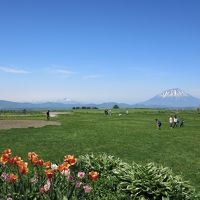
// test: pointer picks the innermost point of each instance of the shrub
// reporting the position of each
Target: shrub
(139, 182)
(116, 107)
(153, 182)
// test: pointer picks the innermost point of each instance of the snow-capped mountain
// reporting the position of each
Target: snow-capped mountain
(176, 98)
(174, 93)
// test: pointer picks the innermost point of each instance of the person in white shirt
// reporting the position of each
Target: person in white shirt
(170, 122)
(175, 121)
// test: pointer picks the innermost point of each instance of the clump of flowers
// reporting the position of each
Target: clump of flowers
(42, 179)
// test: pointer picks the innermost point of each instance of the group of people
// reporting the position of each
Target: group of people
(173, 122)
(108, 112)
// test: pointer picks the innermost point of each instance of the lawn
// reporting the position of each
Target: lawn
(131, 137)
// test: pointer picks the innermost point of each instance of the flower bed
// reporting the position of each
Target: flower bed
(98, 177)
(38, 179)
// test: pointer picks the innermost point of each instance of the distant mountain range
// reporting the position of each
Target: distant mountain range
(173, 98)
(10, 105)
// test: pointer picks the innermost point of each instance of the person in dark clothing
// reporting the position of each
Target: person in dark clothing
(158, 124)
(106, 112)
(181, 122)
(48, 115)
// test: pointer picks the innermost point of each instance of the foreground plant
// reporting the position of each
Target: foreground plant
(91, 177)
(139, 182)
(42, 180)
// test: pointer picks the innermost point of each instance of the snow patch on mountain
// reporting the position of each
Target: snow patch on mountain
(174, 93)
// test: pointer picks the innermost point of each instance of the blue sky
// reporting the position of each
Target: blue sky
(98, 50)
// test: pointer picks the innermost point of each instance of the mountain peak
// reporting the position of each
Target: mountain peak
(173, 98)
(175, 92)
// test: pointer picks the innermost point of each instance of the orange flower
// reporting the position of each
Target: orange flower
(4, 159)
(34, 160)
(7, 151)
(12, 178)
(62, 167)
(5, 156)
(23, 167)
(49, 173)
(70, 159)
(32, 155)
(15, 160)
(47, 164)
(40, 162)
(93, 175)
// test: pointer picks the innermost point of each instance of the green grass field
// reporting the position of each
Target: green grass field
(131, 137)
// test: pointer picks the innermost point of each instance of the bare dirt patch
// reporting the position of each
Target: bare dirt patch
(54, 114)
(8, 124)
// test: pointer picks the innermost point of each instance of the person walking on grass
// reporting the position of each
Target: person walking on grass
(171, 122)
(175, 121)
(158, 124)
(48, 115)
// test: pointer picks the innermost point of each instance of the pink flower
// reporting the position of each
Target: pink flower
(78, 184)
(87, 188)
(70, 178)
(42, 190)
(46, 187)
(4, 176)
(81, 175)
(66, 172)
(9, 198)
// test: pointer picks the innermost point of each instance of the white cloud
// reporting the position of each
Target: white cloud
(13, 70)
(62, 72)
(94, 76)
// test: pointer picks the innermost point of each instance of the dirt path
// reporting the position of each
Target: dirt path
(8, 124)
